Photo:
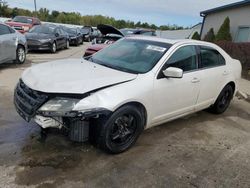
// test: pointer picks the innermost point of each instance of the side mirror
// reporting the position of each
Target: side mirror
(173, 72)
(57, 35)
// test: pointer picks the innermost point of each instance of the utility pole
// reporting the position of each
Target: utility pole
(35, 6)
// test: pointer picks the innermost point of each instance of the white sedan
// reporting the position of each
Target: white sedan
(134, 84)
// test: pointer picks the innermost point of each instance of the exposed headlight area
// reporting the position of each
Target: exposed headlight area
(44, 40)
(64, 107)
(59, 107)
(25, 28)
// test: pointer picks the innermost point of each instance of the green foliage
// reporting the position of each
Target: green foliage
(4, 9)
(76, 18)
(224, 31)
(210, 36)
(196, 36)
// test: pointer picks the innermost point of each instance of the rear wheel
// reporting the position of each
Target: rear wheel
(121, 130)
(223, 100)
(20, 54)
(53, 48)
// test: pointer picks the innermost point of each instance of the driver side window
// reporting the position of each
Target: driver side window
(184, 58)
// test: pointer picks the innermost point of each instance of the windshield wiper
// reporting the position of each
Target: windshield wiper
(118, 68)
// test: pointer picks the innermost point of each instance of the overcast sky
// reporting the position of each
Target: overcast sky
(159, 12)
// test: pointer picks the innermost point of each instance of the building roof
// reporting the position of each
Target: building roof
(226, 7)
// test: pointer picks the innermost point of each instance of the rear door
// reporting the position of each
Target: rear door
(213, 75)
(8, 40)
(174, 97)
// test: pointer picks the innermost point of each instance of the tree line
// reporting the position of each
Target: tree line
(76, 18)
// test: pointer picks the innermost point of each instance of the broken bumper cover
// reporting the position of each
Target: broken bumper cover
(73, 114)
(30, 103)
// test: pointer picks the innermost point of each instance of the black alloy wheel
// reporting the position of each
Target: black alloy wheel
(223, 101)
(121, 130)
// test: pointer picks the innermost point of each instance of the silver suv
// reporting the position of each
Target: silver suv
(13, 45)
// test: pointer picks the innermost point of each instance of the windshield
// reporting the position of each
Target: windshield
(131, 55)
(22, 20)
(85, 30)
(70, 30)
(127, 31)
(42, 29)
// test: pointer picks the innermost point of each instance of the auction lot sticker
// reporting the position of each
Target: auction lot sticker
(156, 48)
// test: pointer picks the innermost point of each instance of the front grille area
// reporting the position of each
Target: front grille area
(28, 101)
(33, 42)
(18, 28)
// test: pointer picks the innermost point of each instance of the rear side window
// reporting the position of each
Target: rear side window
(211, 57)
(184, 58)
(4, 30)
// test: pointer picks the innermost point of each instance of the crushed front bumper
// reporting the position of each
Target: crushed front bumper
(28, 101)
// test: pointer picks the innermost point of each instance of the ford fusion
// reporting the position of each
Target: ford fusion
(134, 84)
(47, 37)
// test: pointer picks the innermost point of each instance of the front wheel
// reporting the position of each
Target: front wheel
(223, 101)
(20, 54)
(53, 48)
(121, 130)
(67, 44)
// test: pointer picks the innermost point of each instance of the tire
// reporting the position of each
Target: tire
(20, 54)
(121, 130)
(223, 101)
(67, 44)
(53, 48)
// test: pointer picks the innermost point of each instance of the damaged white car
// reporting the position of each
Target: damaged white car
(132, 85)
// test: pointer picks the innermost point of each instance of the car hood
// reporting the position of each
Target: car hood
(18, 24)
(97, 47)
(38, 36)
(108, 29)
(72, 76)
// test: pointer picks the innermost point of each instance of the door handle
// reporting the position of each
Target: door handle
(195, 80)
(225, 73)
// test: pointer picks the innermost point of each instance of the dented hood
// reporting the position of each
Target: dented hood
(72, 76)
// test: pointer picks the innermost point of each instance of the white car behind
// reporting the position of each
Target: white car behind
(132, 85)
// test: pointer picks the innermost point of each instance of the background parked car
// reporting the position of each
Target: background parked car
(138, 31)
(109, 36)
(23, 23)
(13, 45)
(75, 35)
(47, 37)
(89, 33)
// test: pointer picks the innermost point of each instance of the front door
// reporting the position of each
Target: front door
(174, 97)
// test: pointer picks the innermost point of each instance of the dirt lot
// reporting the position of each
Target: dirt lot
(201, 150)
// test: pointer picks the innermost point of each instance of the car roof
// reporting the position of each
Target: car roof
(170, 41)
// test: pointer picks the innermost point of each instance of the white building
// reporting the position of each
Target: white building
(239, 15)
